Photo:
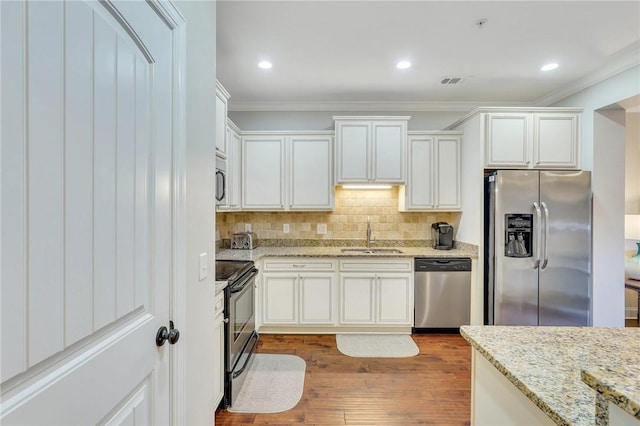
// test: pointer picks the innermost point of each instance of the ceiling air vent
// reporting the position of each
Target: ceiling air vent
(451, 80)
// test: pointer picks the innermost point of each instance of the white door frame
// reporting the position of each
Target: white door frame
(167, 10)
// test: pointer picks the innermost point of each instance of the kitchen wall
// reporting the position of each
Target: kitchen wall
(198, 338)
(603, 153)
(347, 221)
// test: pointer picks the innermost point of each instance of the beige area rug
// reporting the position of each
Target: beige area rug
(274, 384)
(377, 345)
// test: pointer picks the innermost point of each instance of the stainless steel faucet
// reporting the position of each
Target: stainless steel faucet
(368, 232)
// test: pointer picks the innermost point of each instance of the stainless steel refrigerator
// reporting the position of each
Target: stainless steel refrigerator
(538, 248)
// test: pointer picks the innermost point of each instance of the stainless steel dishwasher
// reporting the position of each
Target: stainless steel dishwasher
(442, 294)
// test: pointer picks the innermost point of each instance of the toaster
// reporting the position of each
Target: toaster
(244, 241)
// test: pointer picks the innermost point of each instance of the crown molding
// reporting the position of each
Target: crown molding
(625, 59)
(387, 106)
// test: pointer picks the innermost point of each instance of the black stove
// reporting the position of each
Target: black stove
(231, 270)
(240, 332)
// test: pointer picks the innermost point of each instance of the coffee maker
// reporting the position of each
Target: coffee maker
(442, 236)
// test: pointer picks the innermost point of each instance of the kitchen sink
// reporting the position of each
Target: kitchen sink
(370, 251)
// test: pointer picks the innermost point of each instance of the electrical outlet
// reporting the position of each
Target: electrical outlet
(203, 266)
(247, 227)
(285, 228)
(321, 228)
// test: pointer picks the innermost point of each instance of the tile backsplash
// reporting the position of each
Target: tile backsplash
(347, 221)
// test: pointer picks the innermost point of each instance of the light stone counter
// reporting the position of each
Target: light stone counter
(546, 365)
(618, 384)
(463, 250)
(220, 285)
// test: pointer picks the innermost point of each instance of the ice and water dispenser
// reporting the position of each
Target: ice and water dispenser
(518, 235)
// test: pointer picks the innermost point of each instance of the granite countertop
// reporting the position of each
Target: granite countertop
(220, 285)
(618, 384)
(462, 250)
(546, 364)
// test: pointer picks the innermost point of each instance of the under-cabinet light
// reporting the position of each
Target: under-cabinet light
(372, 186)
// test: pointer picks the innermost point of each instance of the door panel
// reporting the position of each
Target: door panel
(565, 281)
(516, 279)
(78, 173)
(87, 173)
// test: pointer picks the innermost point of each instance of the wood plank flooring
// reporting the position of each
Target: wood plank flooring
(431, 388)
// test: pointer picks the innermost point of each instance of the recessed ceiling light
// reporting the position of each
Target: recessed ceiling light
(265, 65)
(549, 67)
(403, 65)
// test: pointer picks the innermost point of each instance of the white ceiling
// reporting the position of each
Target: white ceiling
(341, 55)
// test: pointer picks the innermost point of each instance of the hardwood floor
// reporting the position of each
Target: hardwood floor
(433, 387)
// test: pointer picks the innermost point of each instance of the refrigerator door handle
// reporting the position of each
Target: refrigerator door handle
(546, 235)
(536, 263)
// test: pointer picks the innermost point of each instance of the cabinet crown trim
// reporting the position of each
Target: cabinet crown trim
(287, 133)
(372, 117)
(482, 110)
(220, 89)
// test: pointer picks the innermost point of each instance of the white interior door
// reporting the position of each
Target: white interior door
(87, 197)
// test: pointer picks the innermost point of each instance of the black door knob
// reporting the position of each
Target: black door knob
(172, 335)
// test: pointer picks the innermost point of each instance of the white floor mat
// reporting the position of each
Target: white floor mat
(377, 345)
(274, 384)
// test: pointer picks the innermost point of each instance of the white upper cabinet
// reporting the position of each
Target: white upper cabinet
(263, 172)
(310, 173)
(370, 149)
(556, 139)
(222, 96)
(287, 171)
(507, 140)
(234, 166)
(433, 172)
(532, 139)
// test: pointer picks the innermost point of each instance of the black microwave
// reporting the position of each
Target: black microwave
(221, 182)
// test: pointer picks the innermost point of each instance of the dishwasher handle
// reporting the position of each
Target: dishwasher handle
(434, 264)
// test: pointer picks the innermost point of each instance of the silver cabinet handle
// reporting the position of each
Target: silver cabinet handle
(536, 264)
(298, 266)
(546, 235)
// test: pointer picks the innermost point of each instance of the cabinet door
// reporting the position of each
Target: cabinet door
(447, 173)
(316, 298)
(507, 140)
(218, 356)
(234, 162)
(357, 292)
(311, 174)
(556, 140)
(221, 125)
(389, 143)
(395, 299)
(352, 152)
(263, 173)
(280, 299)
(420, 184)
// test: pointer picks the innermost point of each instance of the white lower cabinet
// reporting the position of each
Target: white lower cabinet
(218, 382)
(280, 298)
(376, 298)
(394, 299)
(293, 293)
(357, 298)
(319, 295)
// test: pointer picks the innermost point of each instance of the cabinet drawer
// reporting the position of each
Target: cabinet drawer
(298, 264)
(377, 265)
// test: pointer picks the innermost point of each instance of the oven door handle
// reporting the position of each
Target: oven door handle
(235, 374)
(238, 288)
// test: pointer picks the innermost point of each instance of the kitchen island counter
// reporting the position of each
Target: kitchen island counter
(546, 364)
